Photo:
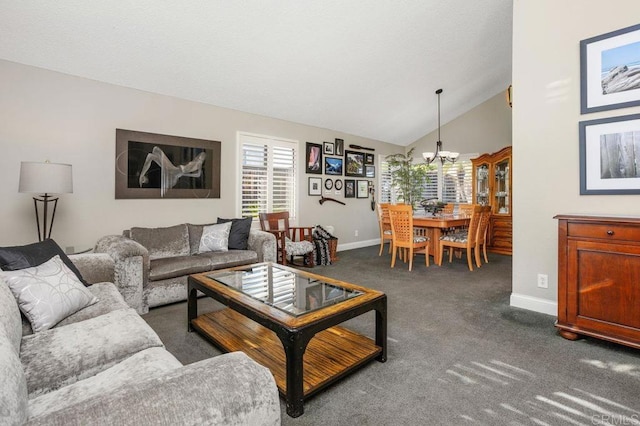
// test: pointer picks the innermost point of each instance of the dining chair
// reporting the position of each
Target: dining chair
(448, 208)
(291, 240)
(403, 236)
(385, 226)
(483, 230)
(462, 239)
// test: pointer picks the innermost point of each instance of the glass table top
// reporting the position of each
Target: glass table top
(285, 289)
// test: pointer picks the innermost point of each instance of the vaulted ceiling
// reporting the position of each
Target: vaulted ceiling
(368, 68)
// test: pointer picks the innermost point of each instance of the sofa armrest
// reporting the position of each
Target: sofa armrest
(95, 267)
(131, 272)
(264, 244)
(223, 390)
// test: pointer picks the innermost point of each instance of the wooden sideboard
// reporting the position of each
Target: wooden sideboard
(599, 278)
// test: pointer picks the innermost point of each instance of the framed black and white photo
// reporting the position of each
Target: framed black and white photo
(328, 148)
(315, 186)
(363, 189)
(339, 147)
(349, 188)
(338, 185)
(354, 164)
(369, 158)
(333, 166)
(314, 158)
(610, 155)
(610, 70)
(328, 184)
(150, 165)
(370, 171)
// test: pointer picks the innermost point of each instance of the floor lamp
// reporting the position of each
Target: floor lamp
(46, 179)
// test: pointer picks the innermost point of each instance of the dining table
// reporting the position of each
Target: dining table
(436, 224)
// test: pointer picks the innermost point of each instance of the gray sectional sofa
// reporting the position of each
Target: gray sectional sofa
(152, 264)
(103, 365)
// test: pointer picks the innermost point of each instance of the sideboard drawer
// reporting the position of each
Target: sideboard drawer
(604, 231)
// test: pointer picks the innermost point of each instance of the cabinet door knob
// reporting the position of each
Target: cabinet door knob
(610, 232)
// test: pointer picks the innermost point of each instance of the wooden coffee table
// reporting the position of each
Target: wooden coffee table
(287, 320)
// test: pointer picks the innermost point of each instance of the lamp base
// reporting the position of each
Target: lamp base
(43, 232)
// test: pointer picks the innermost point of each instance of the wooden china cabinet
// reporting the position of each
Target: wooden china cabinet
(492, 186)
(598, 278)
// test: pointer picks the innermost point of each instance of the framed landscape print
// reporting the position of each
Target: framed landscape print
(315, 186)
(610, 70)
(354, 164)
(370, 171)
(349, 188)
(314, 158)
(610, 155)
(333, 166)
(150, 165)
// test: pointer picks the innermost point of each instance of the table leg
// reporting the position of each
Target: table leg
(192, 305)
(294, 346)
(435, 244)
(381, 330)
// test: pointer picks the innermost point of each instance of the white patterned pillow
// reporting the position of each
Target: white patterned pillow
(48, 293)
(215, 237)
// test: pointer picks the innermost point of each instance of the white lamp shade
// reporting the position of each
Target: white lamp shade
(428, 156)
(45, 178)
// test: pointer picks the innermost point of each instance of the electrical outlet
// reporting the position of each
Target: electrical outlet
(543, 280)
(356, 232)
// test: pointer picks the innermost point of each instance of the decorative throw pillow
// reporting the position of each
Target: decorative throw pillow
(48, 293)
(20, 257)
(163, 242)
(239, 234)
(215, 238)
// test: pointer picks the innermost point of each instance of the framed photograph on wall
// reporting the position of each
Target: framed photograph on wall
(609, 157)
(363, 189)
(339, 147)
(369, 158)
(315, 186)
(333, 166)
(314, 158)
(370, 171)
(610, 70)
(354, 164)
(349, 188)
(328, 148)
(338, 186)
(149, 165)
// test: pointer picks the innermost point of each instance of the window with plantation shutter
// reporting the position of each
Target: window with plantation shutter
(268, 175)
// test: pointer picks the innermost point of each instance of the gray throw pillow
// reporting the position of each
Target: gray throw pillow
(239, 235)
(215, 238)
(48, 293)
(163, 242)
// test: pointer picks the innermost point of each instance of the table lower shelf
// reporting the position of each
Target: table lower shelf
(330, 355)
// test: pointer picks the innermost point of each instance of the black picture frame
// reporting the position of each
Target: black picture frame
(142, 159)
(339, 147)
(613, 51)
(328, 184)
(354, 163)
(333, 166)
(327, 148)
(349, 188)
(362, 189)
(314, 186)
(370, 171)
(369, 159)
(313, 158)
(338, 185)
(607, 162)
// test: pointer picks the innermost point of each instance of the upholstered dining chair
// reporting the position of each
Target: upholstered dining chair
(292, 240)
(385, 226)
(403, 236)
(463, 239)
(481, 239)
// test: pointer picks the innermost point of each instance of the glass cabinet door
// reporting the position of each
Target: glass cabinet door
(482, 185)
(501, 188)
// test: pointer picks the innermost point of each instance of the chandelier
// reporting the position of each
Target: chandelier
(444, 156)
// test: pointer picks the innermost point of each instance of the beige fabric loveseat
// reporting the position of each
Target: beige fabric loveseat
(152, 264)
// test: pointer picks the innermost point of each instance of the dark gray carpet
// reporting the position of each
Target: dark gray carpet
(458, 354)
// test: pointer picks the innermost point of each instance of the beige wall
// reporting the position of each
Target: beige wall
(546, 112)
(485, 128)
(65, 119)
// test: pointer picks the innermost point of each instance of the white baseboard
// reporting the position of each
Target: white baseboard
(358, 244)
(535, 304)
